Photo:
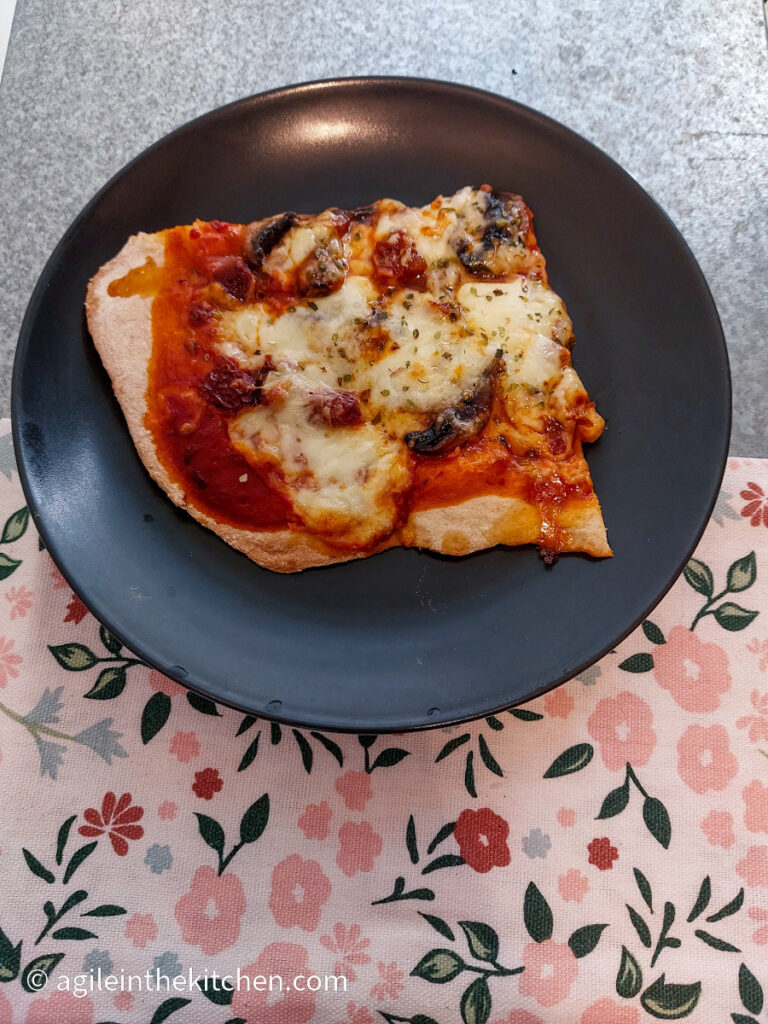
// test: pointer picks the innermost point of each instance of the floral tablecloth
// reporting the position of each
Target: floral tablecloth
(599, 856)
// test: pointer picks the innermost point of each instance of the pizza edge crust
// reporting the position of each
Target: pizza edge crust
(121, 329)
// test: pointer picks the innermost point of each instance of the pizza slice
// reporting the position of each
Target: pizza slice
(320, 388)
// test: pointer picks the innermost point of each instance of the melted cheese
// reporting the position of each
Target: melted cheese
(522, 318)
(342, 481)
(406, 355)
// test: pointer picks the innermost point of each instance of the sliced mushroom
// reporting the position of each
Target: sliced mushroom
(505, 224)
(263, 235)
(458, 423)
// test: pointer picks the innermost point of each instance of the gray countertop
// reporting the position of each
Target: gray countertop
(675, 91)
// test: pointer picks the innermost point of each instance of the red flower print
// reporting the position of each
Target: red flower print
(118, 819)
(207, 783)
(756, 509)
(550, 970)
(61, 1006)
(347, 944)
(704, 758)
(76, 610)
(757, 724)
(315, 822)
(9, 661)
(622, 726)
(291, 1006)
(602, 854)
(141, 929)
(482, 838)
(391, 984)
(359, 846)
(299, 891)
(694, 672)
(355, 789)
(209, 914)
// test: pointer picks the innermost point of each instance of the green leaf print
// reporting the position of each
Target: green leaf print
(571, 760)
(476, 1003)
(670, 1002)
(15, 526)
(482, 940)
(750, 990)
(629, 980)
(742, 574)
(438, 966)
(74, 657)
(537, 915)
(699, 576)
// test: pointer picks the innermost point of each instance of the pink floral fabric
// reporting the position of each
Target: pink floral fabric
(599, 856)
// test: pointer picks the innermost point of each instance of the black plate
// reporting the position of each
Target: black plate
(404, 639)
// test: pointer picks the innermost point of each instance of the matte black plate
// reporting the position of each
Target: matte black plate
(404, 639)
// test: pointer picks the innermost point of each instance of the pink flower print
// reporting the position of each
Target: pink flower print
(76, 610)
(520, 1017)
(760, 937)
(162, 684)
(606, 1011)
(20, 600)
(566, 816)
(391, 984)
(315, 822)
(61, 1006)
(704, 758)
(9, 661)
(753, 868)
(209, 914)
(292, 1005)
(355, 1014)
(559, 703)
(622, 726)
(59, 583)
(167, 810)
(6, 1010)
(756, 508)
(123, 1001)
(359, 846)
(299, 891)
(757, 724)
(347, 944)
(550, 970)
(760, 647)
(573, 886)
(718, 828)
(140, 929)
(355, 789)
(694, 672)
(185, 746)
(755, 797)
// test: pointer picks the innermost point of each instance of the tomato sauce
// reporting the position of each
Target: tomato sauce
(192, 391)
(190, 431)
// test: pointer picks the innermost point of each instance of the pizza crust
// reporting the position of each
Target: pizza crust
(121, 329)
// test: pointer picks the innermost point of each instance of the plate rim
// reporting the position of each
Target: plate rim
(315, 86)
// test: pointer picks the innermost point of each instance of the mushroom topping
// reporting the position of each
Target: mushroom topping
(505, 223)
(262, 236)
(458, 423)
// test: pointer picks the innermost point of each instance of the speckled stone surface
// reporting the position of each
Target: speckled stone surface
(675, 91)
